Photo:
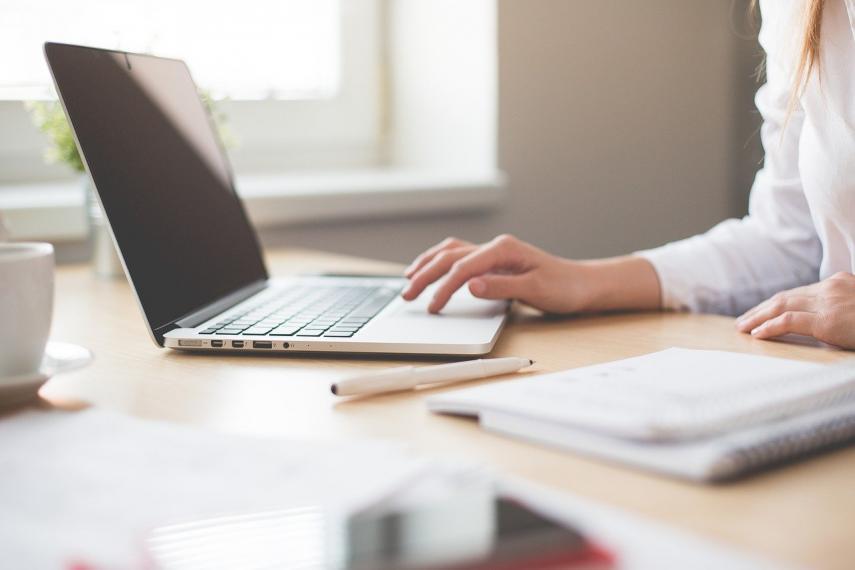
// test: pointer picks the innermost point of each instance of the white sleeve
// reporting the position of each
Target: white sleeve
(740, 263)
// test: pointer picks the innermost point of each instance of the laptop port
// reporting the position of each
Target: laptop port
(262, 344)
(217, 343)
(237, 344)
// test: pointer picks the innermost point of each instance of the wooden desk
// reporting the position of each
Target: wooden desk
(803, 514)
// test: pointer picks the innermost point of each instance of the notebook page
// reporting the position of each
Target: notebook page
(723, 457)
(656, 396)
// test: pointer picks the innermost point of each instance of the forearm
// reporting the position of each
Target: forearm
(621, 283)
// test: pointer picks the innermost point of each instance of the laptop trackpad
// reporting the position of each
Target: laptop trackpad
(465, 320)
(462, 305)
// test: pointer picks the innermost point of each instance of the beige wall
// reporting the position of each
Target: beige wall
(621, 125)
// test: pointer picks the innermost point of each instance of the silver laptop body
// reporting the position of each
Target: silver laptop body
(188, 249)
(285, 320)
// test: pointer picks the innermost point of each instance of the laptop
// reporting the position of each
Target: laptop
(188, 249)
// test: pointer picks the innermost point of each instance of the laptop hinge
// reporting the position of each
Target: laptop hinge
(195, 318)
(159, 332)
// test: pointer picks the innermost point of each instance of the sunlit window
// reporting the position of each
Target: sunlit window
(279, 49)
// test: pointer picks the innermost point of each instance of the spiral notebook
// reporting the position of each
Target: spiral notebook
(697, 414)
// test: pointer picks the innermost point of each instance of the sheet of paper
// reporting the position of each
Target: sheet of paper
(89, 487)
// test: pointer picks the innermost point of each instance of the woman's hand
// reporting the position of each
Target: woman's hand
(824, 310)
(507, 268)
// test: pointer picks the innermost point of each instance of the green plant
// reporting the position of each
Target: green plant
(49, 118)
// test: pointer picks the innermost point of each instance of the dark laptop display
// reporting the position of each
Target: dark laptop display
(162, 176)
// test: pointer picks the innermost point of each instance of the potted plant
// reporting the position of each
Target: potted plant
(49, 118)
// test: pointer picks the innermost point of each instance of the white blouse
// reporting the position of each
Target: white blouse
(801, 222)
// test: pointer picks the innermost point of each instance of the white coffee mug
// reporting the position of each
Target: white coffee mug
(26, 306)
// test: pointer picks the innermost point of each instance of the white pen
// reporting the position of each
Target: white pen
(408, 377)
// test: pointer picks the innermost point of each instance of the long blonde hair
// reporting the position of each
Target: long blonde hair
(810, 49)
(809, 52)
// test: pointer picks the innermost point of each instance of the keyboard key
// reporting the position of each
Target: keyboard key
(346, 328)
(310, 332)
(208, 331)
(229, 331)
(284, 331)
(258, 330)
(340, 334)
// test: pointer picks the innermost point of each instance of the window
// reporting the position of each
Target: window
(342, 109)
(280, 49)
(300, 78)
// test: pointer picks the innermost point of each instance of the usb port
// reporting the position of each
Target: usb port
(237, 344)
(217, 343)
(262, 344)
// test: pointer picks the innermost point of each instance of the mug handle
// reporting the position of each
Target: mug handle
(64, 357)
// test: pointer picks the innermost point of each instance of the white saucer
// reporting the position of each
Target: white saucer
(59, 357)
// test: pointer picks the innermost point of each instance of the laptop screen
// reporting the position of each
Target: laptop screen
(162, 176)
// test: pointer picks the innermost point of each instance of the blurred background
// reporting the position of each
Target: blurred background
(378, 127)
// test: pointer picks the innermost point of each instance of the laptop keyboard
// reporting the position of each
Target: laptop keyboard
(329, 311)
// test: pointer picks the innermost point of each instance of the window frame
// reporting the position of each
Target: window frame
(342, 131)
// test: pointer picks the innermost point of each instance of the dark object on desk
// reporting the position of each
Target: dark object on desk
(516, 538)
